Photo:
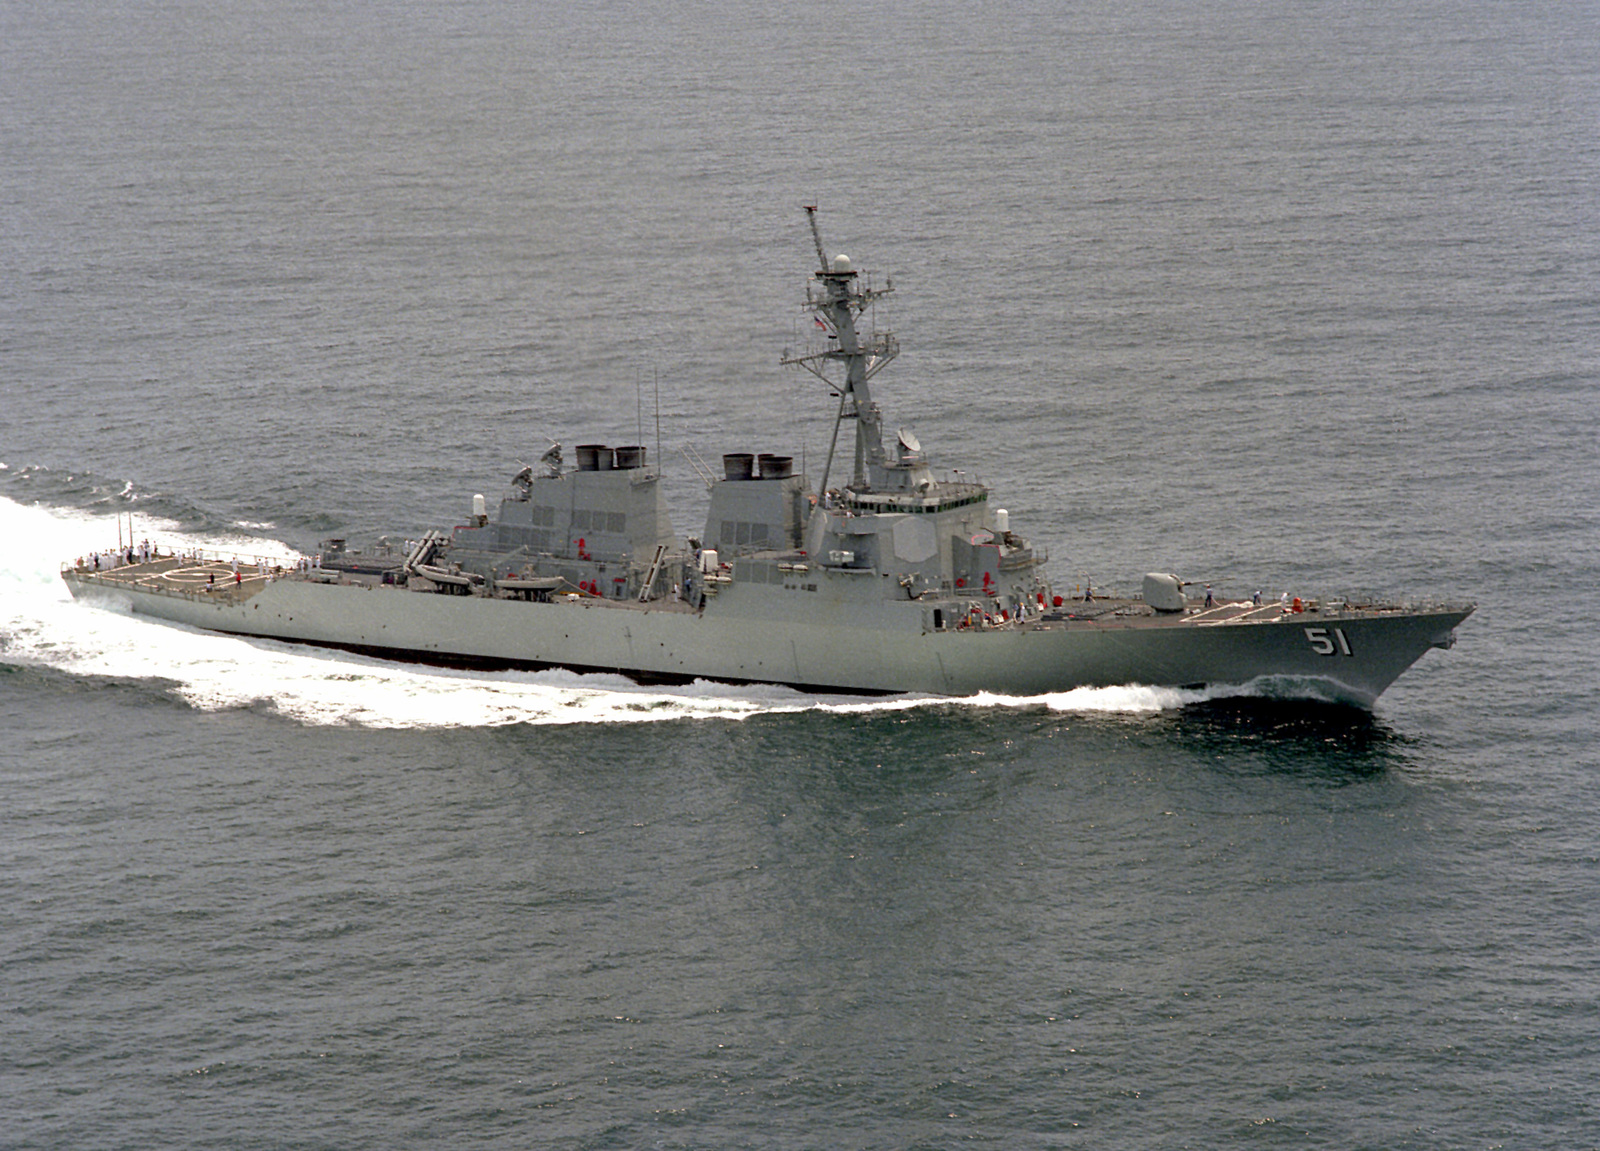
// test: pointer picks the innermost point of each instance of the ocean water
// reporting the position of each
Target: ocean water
(1292, 297)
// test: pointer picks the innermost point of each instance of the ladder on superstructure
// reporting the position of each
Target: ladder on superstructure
(650, 576)
(698, 463)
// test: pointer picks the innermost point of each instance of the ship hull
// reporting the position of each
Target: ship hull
(816, 644)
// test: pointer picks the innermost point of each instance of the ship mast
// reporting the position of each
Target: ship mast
(842, 298)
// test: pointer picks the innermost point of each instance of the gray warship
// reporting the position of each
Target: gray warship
(895, 580)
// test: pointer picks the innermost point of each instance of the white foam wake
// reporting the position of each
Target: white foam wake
(40, 623)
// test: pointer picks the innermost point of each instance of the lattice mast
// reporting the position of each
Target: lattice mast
(842, 298)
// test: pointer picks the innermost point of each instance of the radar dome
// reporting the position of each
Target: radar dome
(841, 263)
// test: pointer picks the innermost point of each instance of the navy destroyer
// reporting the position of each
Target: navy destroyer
(893, 580)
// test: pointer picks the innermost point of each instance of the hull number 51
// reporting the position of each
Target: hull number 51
(1324, 643)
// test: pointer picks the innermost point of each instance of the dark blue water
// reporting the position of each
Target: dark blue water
(1303, 297)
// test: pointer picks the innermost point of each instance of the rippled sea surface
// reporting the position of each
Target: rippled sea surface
(1296, 297)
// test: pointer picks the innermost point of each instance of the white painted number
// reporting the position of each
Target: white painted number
(1324, 644)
